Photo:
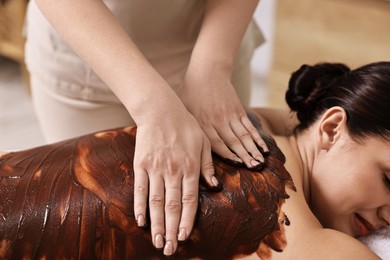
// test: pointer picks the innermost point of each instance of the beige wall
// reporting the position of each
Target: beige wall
(11, 29)
(354, 32)
(12, 16)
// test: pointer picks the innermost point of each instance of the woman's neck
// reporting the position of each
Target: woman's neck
(302, 145)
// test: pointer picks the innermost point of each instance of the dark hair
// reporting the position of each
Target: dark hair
(364, 93)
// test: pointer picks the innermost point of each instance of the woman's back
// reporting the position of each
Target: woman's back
(75, 199)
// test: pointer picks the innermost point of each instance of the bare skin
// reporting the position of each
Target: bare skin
(359, 189)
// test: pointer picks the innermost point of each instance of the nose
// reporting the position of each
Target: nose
(384, 215)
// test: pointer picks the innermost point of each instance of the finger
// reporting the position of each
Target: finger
(234, 143)
(254, 133)
(189, 204)
(207, 166)
(140, 196)
(172, 214)
(156, 208)
(219, 146)
(246, 139)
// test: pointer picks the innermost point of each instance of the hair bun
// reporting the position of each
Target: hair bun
(309, 84)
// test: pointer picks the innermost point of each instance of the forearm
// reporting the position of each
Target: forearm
(223, 27)
(94, 33)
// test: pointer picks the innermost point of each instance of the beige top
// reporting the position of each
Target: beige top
(165, 33)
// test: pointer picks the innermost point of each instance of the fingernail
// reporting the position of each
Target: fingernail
(159, 241)
(254, 163)
(237, 159)
(182, 234)
(260, 158)
(141, 221)
(214, 181)
(168, 249)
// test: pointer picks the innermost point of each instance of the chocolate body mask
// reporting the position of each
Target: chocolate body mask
(74, 199)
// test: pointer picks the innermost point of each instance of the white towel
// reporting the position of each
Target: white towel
(379, 242)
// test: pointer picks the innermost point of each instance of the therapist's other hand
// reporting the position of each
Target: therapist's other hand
(212, 99)
(171, 153)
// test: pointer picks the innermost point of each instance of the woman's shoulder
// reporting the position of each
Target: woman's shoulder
(275, 121)
(306, 238)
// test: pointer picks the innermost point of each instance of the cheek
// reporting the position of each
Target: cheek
(335, 185)
(345, 186)
(344, 182)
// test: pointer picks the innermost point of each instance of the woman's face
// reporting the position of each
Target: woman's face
(350, 188)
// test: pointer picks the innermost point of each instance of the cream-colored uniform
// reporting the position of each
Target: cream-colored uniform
(71, 100)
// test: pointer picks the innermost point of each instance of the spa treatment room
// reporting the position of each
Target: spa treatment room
(199, 129)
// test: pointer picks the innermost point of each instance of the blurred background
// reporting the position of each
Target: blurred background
(354, 32)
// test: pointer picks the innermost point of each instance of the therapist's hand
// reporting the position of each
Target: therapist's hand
(212, 99)
(171, 151)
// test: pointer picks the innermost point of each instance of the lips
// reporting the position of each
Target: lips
(363, 226)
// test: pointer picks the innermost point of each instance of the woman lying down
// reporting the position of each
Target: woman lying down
(325, 184)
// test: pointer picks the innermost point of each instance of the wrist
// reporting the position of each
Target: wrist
(156, 107)
(209, 67)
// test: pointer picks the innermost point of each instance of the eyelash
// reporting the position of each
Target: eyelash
(387, 181)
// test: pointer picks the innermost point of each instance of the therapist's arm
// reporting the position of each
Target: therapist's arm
(171, 164)
(207, 90)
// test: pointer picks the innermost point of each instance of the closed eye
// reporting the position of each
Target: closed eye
(387, 181)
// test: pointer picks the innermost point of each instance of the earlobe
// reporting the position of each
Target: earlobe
(331, 125)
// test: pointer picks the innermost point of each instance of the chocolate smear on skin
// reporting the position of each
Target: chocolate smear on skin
(74, 199)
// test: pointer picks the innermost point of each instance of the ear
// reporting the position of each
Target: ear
(331, 126)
